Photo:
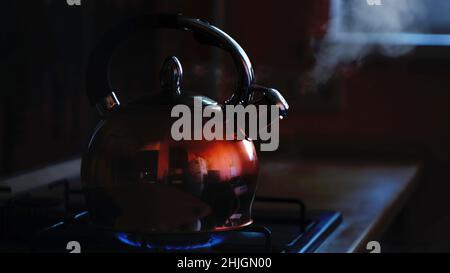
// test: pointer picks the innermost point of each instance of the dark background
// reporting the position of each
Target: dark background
(383, 109)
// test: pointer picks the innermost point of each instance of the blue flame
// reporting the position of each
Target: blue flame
(213, 241)
(123, 237)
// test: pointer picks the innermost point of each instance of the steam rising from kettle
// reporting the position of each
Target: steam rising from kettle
(393, 16)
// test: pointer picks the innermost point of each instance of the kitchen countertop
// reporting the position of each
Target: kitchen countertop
(369, 195)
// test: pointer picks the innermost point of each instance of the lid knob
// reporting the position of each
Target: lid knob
(171, 75)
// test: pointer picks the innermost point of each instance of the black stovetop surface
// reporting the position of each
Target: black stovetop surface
(47, 220)
(282, 234)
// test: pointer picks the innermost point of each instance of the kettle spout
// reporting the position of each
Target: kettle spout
(261, 95)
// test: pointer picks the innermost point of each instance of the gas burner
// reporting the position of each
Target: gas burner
(203, 241)
(172, 243)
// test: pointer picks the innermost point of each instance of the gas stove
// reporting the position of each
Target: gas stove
(51, 216)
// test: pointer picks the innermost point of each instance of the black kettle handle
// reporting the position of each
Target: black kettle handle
(98, 83)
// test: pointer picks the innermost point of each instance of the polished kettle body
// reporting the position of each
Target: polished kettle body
(135, 177)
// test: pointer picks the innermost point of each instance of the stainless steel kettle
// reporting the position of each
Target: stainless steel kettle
(136, 177)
